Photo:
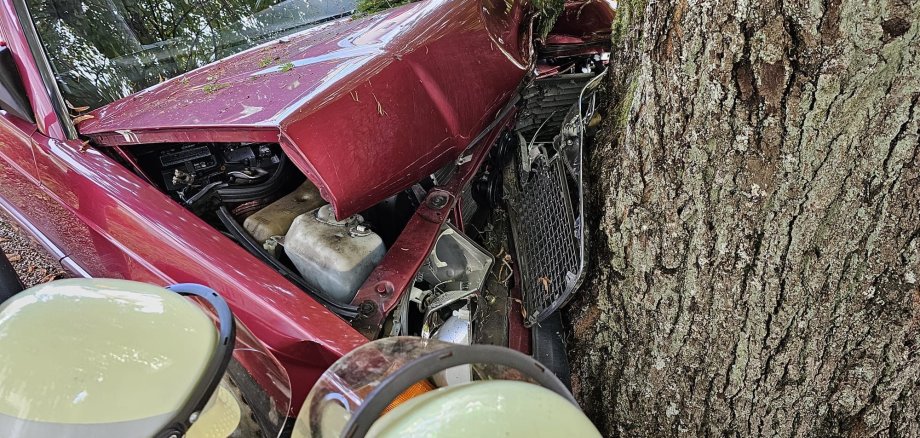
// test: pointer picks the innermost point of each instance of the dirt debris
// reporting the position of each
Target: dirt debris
(33, 264)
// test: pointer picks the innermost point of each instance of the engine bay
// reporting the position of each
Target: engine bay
(508, 254)
(199, 176)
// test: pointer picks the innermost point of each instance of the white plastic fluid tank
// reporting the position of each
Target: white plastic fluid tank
(334, 257)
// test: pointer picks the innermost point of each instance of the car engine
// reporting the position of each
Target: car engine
(201, 175)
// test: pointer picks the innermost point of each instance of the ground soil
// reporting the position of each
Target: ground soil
(30, 260)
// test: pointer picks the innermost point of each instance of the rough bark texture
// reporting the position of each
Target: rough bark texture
(756, 259)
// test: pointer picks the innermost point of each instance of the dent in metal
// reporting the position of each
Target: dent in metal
(364, 107)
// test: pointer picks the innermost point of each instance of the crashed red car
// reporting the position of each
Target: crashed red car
(336, 178)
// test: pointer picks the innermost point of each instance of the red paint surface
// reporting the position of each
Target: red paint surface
(371, 105)
(436, 72)
(519, 335)
(365, 108)
(87, 207)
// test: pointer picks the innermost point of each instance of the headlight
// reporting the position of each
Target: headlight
(452, 276)
(253, 397)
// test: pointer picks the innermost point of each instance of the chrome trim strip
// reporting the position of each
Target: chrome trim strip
(63, 259)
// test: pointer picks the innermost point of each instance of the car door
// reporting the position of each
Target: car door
(18, 182)
(20, 192)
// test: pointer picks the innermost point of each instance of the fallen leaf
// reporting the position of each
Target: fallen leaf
(50, 277)
(80, 119)
(523, 310)
(545, 281)
(78, 109)
(211, 88)
(13, 258)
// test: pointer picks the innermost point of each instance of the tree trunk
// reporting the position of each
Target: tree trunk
(756, 252)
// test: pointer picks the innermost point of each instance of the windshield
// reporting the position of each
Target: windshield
(104, 50)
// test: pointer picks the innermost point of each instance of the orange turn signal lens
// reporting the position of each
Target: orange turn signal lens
(419, 388)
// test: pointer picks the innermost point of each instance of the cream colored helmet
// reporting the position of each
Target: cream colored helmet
(115, 358)
(382, 389)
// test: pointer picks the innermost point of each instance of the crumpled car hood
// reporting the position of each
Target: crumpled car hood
(364, 107)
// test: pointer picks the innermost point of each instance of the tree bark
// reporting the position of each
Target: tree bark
(756, 245)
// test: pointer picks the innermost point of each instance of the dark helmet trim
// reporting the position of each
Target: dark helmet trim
(426, 365)
(199, 397)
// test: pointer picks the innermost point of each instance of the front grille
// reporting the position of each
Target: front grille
(544, 230)
(546, 104)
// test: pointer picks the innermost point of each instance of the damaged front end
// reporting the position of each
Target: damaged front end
(408, 193)
(521, 196)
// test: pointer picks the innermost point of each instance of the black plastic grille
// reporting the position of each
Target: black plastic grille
(547, 102)
(544, 236)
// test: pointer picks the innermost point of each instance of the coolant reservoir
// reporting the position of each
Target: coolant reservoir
(276, 218)
(334, 257)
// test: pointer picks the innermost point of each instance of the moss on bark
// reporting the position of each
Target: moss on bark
(757, 223)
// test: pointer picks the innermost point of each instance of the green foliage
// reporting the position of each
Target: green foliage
(103, 50)
(365, 7)
(286, 67)
(549, 12)
(211, 88)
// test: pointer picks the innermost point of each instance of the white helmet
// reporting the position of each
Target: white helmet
(382, 389)
(115, 358)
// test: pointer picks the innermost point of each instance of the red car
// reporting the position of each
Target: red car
(337, 178)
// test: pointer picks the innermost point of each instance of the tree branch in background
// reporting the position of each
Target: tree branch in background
(549, 10)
